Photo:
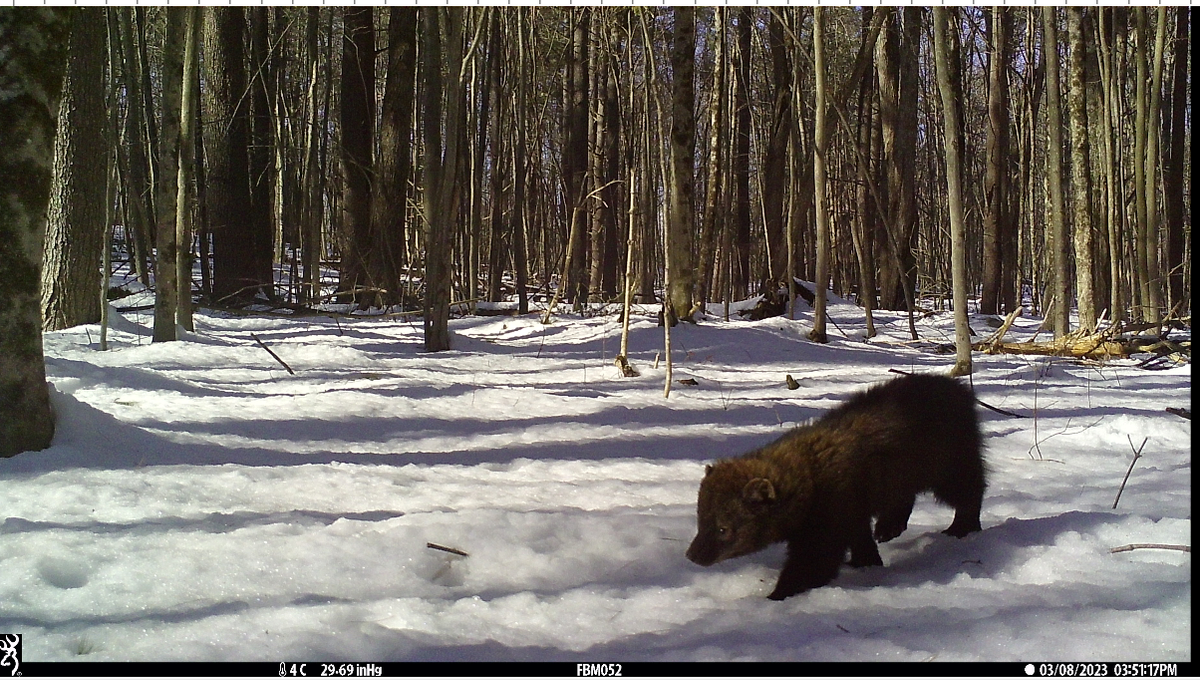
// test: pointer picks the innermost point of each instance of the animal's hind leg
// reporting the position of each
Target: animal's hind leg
(863, 552)
(964, 492)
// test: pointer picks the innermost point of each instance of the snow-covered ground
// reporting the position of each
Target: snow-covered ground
(200, 503)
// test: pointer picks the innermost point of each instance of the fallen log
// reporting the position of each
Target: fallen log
(1114, 342)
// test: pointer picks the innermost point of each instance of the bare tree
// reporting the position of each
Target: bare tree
(358, 132)
(1081, 173)
(681, 217)
(185, 192)
(31, 73)
(393, 166)
(1153, 305)
(521, 169)
(226, 149)
(948, 63)
(1178, 131)
(1059, 313)
(75, 220)
(820, 179)
(166, 287)
(999, 228)
(740, 264)
(443, 142)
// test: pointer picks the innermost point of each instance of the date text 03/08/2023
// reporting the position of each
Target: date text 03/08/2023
(1103, 670)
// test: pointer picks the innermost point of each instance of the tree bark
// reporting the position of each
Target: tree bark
(312, 208)
(741, 156)
(166, 284)
(1081, 174)
(866, 222)
(1114, 204)
(775, 161)
(1057, 236)
(896, 63)
(520, 220)
(575, 163)
(948, 67)
(136, 168)
(260, 221)
(357, 157)
(717, 134)
(75, 220)
(820, 181)
(31, 73)
(389, 200)
(442, 150)
(226, 130)
(1175, 200)
(1153, 161)
(681, 215)
(999, 237)
(185, 190)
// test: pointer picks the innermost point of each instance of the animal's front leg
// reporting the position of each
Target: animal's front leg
(809, 564)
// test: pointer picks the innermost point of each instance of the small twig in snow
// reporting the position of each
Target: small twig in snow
(1136, 454)
(453, 551)
(281, 361)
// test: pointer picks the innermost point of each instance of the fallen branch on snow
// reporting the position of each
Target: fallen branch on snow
(281, 361)
(1154, 546)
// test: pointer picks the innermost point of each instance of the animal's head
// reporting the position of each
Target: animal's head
(735, 511)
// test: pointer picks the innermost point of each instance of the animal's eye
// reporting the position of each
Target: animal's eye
(723, 532)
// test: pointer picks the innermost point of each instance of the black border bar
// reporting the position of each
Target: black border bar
(605, 669)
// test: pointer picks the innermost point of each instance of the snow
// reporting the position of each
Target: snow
(200, 503)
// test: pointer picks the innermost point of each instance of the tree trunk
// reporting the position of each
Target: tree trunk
(310, 235)
(718, 127)
(820, 181)
(226, 130)
(575, 163)
(185, 190)
(136, 166)
(1057, 237)
(1153, 161)
(520, 219)
(948, 67)
(866, 222)
(442, 150)
(774, 164)
(1175, 200)
(389, 200)
(261, 157)
(31, 74)
(741, 156)
(1114, 203)
(999, 228)
(681, 224)
(896, 63)
(166, 284)
(75, 221)
(358, 130)
(606, 149)
(1081, 174)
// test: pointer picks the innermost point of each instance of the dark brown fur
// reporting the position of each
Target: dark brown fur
(818, 486)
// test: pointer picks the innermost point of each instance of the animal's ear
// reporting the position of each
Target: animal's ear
(707, 470)
(759, 491)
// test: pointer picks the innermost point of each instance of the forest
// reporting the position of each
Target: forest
(423, 161)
